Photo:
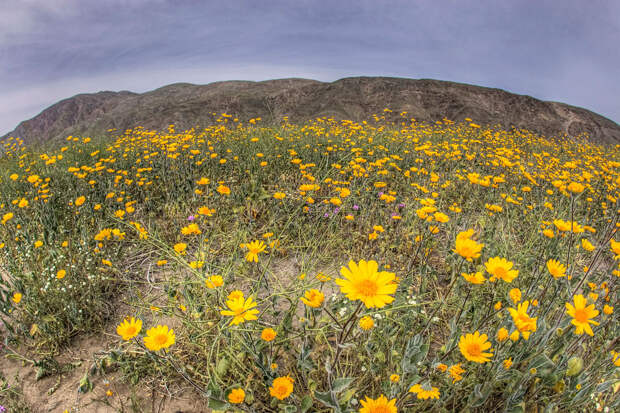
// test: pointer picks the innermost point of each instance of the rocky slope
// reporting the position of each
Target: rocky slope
(188, 105)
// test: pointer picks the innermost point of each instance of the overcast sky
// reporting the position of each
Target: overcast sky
(567, 51)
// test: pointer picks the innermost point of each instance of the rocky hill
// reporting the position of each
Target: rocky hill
(188, 105)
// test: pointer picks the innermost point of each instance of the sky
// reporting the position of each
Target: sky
(564, 51)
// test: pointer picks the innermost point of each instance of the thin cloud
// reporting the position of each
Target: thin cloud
(55, 49)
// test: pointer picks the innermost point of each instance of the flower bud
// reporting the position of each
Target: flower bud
(575, 365)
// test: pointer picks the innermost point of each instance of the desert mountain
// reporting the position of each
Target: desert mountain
(188, 105)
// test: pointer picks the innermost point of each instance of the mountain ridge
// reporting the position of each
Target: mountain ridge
(356, 98)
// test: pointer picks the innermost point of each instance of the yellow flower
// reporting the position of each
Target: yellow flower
(158, 338)
(281, 387)
(214, 281)
(37, 244)
(191, 229)
(497, 306)
(514, 336)
(425, 391)
(456, 372)
(80, 201)
(556, 269)
(441, 217)
(6, 217)
(235, 294)
(268, 334)
(366, 323)
(587, 245)
(313, 298)
(203, 210)
(507, 363)
(522, 320)
(474, 277)
(61, 274)
(581, 315)
(279, 195)
(442, 367)
(223, 190)
(394, 378)
(467, 247)
(364, 282)
(162, 263)
(515, 295)
(254, 248)
(562, 225)
(23, 203)
(472, 347)
(615, 246)
(236, 396)
(241, 310)
(501, 268)
(548, 233)
(180, 248)
(607, 309)
(17, 297)
(203, 181)
(379, 405)
(502, 334)
(575, 187)
(129, 328)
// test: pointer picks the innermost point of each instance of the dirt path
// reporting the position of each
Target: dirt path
(59, 392)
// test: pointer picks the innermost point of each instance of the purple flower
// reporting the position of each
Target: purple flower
(191, 218)
(336, 210)
(2, 409)
(401, 205)
(380, 194)
(326, 215)
(356, 207)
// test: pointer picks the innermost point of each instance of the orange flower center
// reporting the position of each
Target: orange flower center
(381, 409)
(367, 288)
(161, 339)
(474, 349)
(500, 272)
(581, 315)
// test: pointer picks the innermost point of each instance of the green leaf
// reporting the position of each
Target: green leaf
(306, 403)
(327, 399)
(480, 395)
(85, 384)
(346, 396)
(341, 384)
(217, 404)
(222, 366)
(541, 362)
(415, 352)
